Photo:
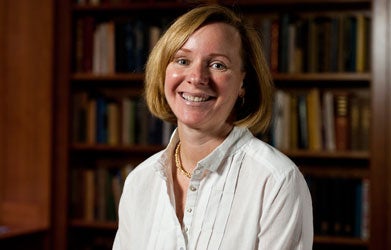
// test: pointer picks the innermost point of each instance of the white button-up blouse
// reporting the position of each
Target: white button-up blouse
(244, 195)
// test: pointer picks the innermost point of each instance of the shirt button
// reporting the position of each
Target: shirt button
(189, 210)
(192, 188)
(197, 171)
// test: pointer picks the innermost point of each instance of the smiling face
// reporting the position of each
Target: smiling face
(205, 77)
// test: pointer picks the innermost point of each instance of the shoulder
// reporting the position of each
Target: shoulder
(267, 159)
(146, 171)
(276, 173)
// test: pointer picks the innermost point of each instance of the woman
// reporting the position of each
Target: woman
(215, 186)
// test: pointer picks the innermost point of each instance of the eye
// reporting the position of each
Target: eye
(218, 66)
(182, 61)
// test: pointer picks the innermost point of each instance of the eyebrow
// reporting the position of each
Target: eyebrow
(211, 55)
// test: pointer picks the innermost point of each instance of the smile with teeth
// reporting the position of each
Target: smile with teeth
(192, 98)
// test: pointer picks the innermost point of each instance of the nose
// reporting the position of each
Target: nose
(198, 73)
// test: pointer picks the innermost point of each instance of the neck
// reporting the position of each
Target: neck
(196, 145)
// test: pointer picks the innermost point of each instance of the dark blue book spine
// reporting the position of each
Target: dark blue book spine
(101, 123)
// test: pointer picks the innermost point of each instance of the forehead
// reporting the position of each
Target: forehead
(220, 37)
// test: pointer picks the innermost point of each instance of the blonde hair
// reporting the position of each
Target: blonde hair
(255, 109)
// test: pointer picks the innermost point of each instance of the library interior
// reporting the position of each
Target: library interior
(74, 124)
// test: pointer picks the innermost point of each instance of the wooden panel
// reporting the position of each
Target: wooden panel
(387, 150)
(26, 143)
(2, 92)
(380, 231)
(61, 92)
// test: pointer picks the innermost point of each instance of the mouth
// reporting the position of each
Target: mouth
(195, 98)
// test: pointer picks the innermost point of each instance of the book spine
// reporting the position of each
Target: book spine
(342, 121)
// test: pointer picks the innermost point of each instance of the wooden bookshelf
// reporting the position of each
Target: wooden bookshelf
(354, 164)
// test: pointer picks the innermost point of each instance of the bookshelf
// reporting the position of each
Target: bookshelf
(362, 164)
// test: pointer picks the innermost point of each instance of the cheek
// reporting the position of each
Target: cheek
(168, 81)
(171, 79)
(230, 87)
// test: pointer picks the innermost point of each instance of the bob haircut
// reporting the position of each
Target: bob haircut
(254, 110)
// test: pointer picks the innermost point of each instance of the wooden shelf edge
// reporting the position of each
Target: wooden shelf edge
(8, 231)
(154, 5)
(108, 77)
(119, 148)
(349, 241)
(361, 77)
(108, 225)
(358, 155)
(178, 4)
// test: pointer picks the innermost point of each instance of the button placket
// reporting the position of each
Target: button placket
(190, 204)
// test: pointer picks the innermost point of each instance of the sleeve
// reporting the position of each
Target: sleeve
(286, 222)
(120, 240)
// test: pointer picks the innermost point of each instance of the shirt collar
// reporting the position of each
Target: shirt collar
(234, 141)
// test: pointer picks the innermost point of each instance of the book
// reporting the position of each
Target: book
(294, 122)
(363, 43)
(314, 120)
(140, 46)
(89, 190)
(303, 120)
(312, 48)
(154, 35)
(274, 47)
(104, 48)
(79, 116)
(120, 47)
(91, 121)
(126, 119)
(88, 24)
(79, 45)
(266, 38)
(354, 123)
(350, 47)
(340, 205)
(334, 47)
(142, 117)
(365, 120)
(101, 173)
(101, 120)
(341, 121)
(279, 115)
(328, 121)
(113, 123)
(129, 52)
(283, 43)
(365, 211)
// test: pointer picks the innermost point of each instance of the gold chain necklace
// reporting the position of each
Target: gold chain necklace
(178, 162)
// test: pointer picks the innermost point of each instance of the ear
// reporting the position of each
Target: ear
(242, 91)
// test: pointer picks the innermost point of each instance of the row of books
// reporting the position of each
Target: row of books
(115, 46)
(95, 192)
(116, 121)
(101, 2)
(316, 43)
(340, 206)
(321, 120)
